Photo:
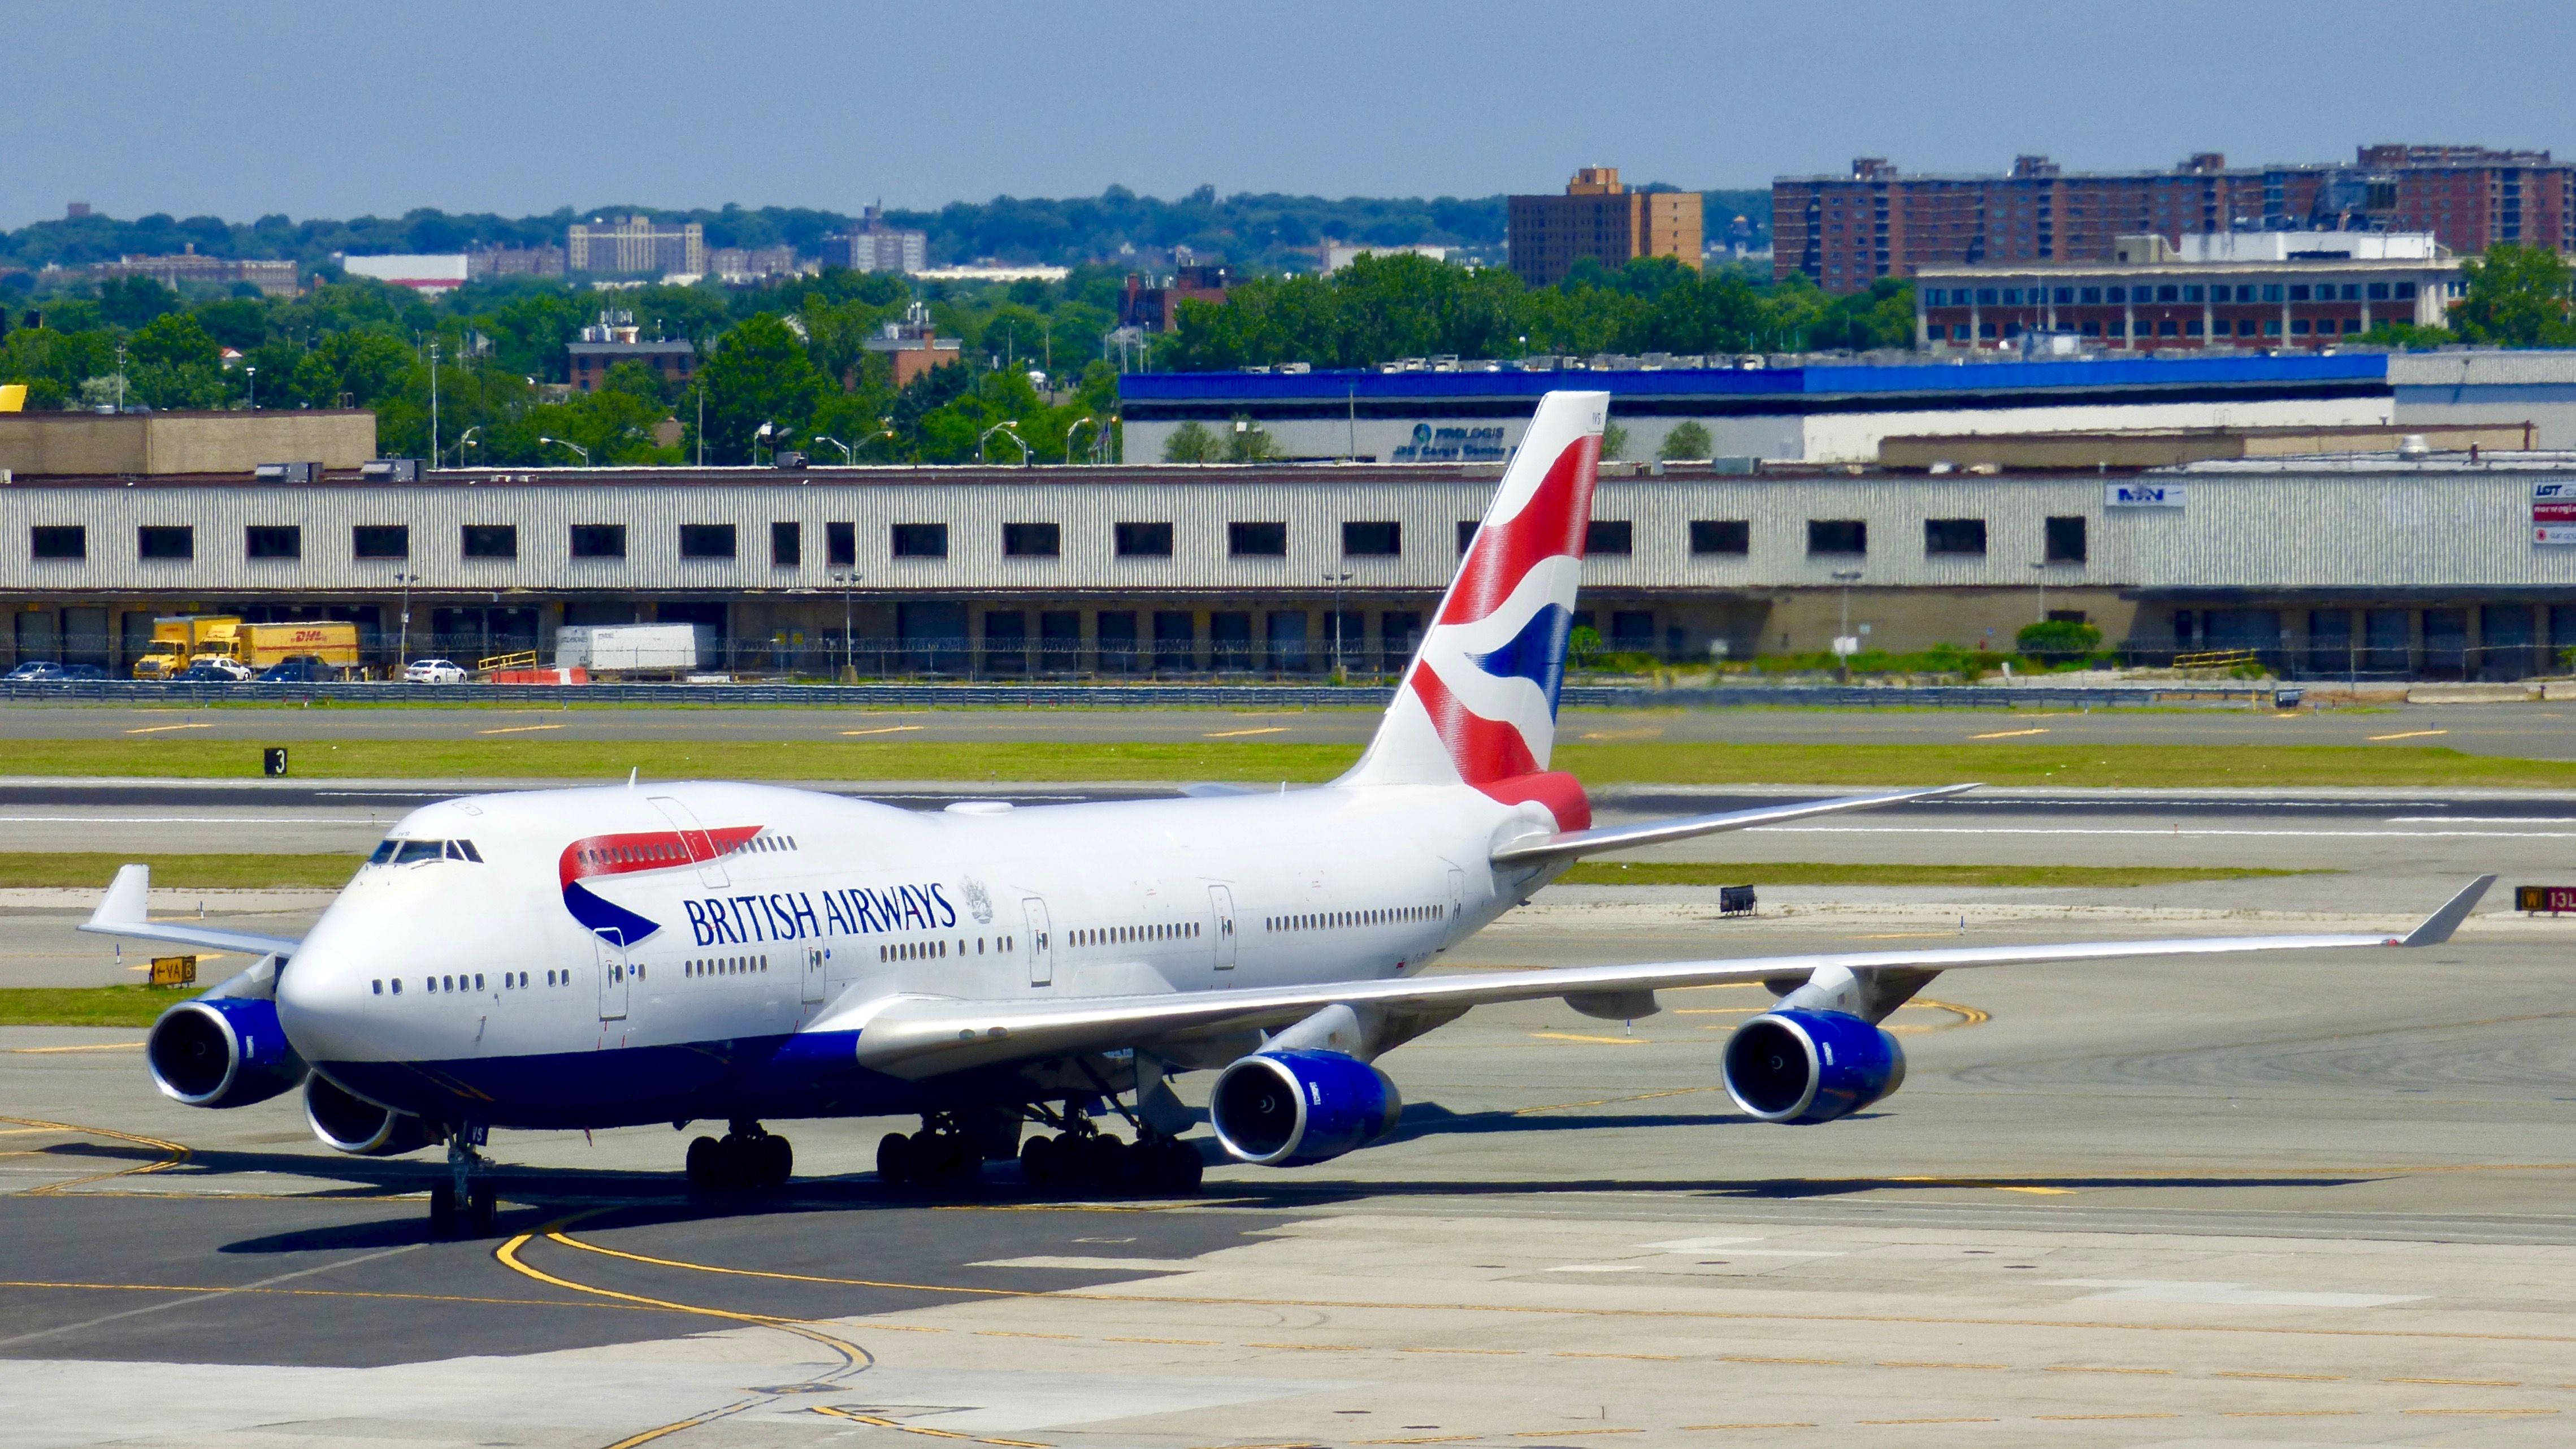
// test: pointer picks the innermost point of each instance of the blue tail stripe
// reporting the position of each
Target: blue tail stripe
(1536, 653)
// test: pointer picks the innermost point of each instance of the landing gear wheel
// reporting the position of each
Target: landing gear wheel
(895, 1160)
(706, 1165)
(1042, 1162)
(483, 1207)
(777, 1161)
(442, 1210)
(1171, 1169)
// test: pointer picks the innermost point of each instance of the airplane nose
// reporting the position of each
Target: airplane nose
(319, 1004)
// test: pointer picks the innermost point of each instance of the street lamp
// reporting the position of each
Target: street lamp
(1842, 637)
(2040, 572)
(1337, 581)
(849, 455)
(253, 373)
(467, 440)
(1077, 427)
(1006, 428)
(849, 667)
(576, 447)
(402, 645)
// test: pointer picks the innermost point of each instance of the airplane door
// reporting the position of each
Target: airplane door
(815, 956)
(1457, 894)
(612, 980)
(1041, 943)
(701, 845)
(1221, 902)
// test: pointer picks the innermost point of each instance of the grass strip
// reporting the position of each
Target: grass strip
(2003, 762)
(86, 1005)
(31, 869)
(1834, 873)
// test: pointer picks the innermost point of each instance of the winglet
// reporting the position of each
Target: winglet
(125, 899)
(2437, 927)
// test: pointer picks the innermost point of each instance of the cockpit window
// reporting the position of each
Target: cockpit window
(464, 850)
(413, 850)
(384, 852)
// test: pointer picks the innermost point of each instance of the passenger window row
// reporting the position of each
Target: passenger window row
(938, 950)
(722, 966)
(765, 843)
(510, 981)
(1124, 935)
(412, 852)
(1334, 920)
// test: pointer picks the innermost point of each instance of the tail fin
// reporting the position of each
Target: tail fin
(1478, 704)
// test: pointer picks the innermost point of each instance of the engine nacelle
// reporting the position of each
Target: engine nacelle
(347, 1122)
(1291, 1108)
(221, 1051)
(1810, 1066)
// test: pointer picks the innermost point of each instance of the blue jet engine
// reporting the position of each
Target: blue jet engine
(1810, 1066)
(347, 1122)
(1291, 1108)
(222, 1051)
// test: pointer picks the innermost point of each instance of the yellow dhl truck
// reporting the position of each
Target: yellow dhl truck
(187, 639)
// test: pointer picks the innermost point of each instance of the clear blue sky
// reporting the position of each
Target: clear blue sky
(259, 106)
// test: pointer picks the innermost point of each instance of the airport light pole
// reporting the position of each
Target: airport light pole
(1337, 581)
(402, 645)
(1077, 427)
(253, 374)
(576, 447)
(849, 455)
(2039, 571)
(849, 664)
(1842, 657)
(1008, 428)
(466, 440)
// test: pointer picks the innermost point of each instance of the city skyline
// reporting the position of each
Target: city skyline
(219, 111)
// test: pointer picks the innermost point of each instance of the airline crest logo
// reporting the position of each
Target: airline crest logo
(1493, 662)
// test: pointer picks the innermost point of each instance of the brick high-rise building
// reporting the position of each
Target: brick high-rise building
(1603, 220)
(635, 244)
(1845, 232)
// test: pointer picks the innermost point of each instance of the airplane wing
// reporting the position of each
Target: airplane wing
(926, 1036)
(1566, 844)
(120, 913)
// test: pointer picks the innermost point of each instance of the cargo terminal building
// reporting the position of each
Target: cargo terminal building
(2380, 563)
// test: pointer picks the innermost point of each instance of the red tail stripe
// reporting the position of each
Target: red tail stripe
(1483, 749)
(1551, 523)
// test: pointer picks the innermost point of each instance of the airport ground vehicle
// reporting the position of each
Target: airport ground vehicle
(636, 648)
(182, 640)
(434, 671)
(735, 953)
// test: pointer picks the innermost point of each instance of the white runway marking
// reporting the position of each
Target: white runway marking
(2157, 1290)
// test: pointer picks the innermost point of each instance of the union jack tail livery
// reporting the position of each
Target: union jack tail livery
(1478, 705)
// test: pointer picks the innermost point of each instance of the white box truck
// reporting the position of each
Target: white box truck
(637, 648)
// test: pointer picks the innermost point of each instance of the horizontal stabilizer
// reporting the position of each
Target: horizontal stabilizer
(120, 913)
(1566, 844)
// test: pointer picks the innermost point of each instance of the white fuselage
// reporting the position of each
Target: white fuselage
(751, 912)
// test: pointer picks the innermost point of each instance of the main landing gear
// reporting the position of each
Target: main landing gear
(949, 1150)
(464, 1187)
(745, 1158)
(1085, 1159)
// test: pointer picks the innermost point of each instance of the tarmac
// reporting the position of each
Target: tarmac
(2530, 731)
(2325, 1199)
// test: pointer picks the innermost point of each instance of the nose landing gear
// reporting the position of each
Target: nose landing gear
(464, 1188)
(745, 1158)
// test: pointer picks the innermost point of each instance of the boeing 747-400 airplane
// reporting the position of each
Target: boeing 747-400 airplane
(646, 953)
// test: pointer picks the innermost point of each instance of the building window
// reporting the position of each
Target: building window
(706, 540)
(165, 541)
(2092, 329)
(1606, 536)
(1143, 540)
(1954, 536)
(2272, 291)
(920, 540)
(1372, 539)
(2299, 327)
(380, 540)
(786, 545)
(2166, 328)
(60, 541)
(840, 544)
(1032, 540)
(2169, 293)
(2379, 291)
(2065, 541)
(2191, 294)
(2063, 296)
(1837, 535)
(273, 541)
(1721, 535)
(2089, 296)
(490, 540)
(1467, 534)
(599, 540)
(2405, 291)
(2115, 295)
(2299, 292)
(1256, 540)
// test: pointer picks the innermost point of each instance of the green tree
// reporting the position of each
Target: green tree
(1192, 443)
(2516, 297)
(758, 373)
(1687, 440)
(1614, 441)
(1248, 443)
(175, 339)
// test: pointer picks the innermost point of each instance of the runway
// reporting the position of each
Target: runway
(2321, 1200)
(2526, 731)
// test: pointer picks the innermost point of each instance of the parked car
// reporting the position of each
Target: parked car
(34, 672)
(302, 669)
(205, 674)
(83, 671)
(434, 671)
